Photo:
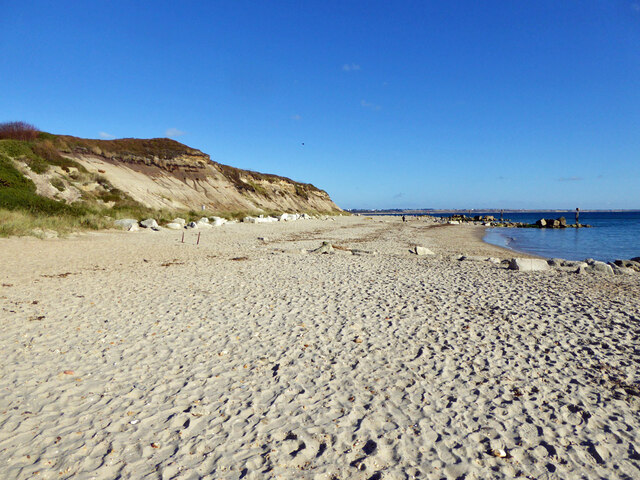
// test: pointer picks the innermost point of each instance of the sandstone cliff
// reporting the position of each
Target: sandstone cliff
(163, 173)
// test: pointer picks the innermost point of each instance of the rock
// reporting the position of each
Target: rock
(528, 264)
(203, 220)
(326, 247)
(263, 239)
(125, 223)
(174, 226)
(563, 222)
(472, 258)
(421, 251)
(202, 224)
(249, 220)
(453, 222)
(622, 270)
(633, 265)
(357, 251)
(180, 221)
(217, 221)
(192, 225)
(555, 262)
(149, 223)
(44, 233)
(636, 259)
(494, 260)
(541, 223)
(600, 267)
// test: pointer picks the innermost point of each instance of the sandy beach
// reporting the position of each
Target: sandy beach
(133, 355)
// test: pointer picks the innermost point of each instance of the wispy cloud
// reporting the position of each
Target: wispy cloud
(350, 67)
(398, 195)
(106, 136)
(570, 179)
(296, 117)
(173, 132)
(369, 105)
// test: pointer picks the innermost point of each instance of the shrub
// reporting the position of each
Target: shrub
(18, 131)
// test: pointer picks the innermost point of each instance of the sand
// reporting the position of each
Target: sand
(133, 355)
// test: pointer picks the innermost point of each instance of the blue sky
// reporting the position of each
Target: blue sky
(421, 104)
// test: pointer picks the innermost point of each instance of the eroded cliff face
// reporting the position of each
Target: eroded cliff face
(162, 173)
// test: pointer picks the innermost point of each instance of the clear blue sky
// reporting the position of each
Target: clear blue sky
(442, 104)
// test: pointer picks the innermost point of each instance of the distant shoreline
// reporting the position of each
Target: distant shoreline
(480, 210)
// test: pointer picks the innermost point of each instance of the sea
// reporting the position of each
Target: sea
(614, 235)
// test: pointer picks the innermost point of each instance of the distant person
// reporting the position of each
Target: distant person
(501, 215)
(404, 218)
(577, 216)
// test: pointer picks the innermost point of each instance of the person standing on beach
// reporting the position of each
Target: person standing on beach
(577, 216)
(403, 218)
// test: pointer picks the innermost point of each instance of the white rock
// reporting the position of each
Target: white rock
(149, 223)
(528, 264)
(203, 220)
(217, 221)
(453, 222)
(174, 226)
(179, 220)
(124, 223)
(421, 250)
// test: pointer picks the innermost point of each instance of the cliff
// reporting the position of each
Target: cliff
(155, 173)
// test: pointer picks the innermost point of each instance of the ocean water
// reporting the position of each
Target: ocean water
(615, 235)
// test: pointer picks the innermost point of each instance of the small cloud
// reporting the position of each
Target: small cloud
(350, 67)
(600, 177)
(296, 117)
(106, 136)
(398, 195)
(369, 105)
(173, 132)
(501, 177)
(570, 179)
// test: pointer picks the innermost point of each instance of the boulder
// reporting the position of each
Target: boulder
(125, 223)
(528, 264)
(617, 270)
(600, 267)
(541, 223)
(249, 220)
(203, 220)
(421, 251)
(202, 224)
(454, 222)
(563, 222)
(628, 264)
(174, 226)
(636, 259)
(192, 225)
(179, 220)
(149, 223)
(217, 221)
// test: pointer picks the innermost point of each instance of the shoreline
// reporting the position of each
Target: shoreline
(248, 356)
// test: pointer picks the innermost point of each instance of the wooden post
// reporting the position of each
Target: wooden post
(183, 236)
(198, 242)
